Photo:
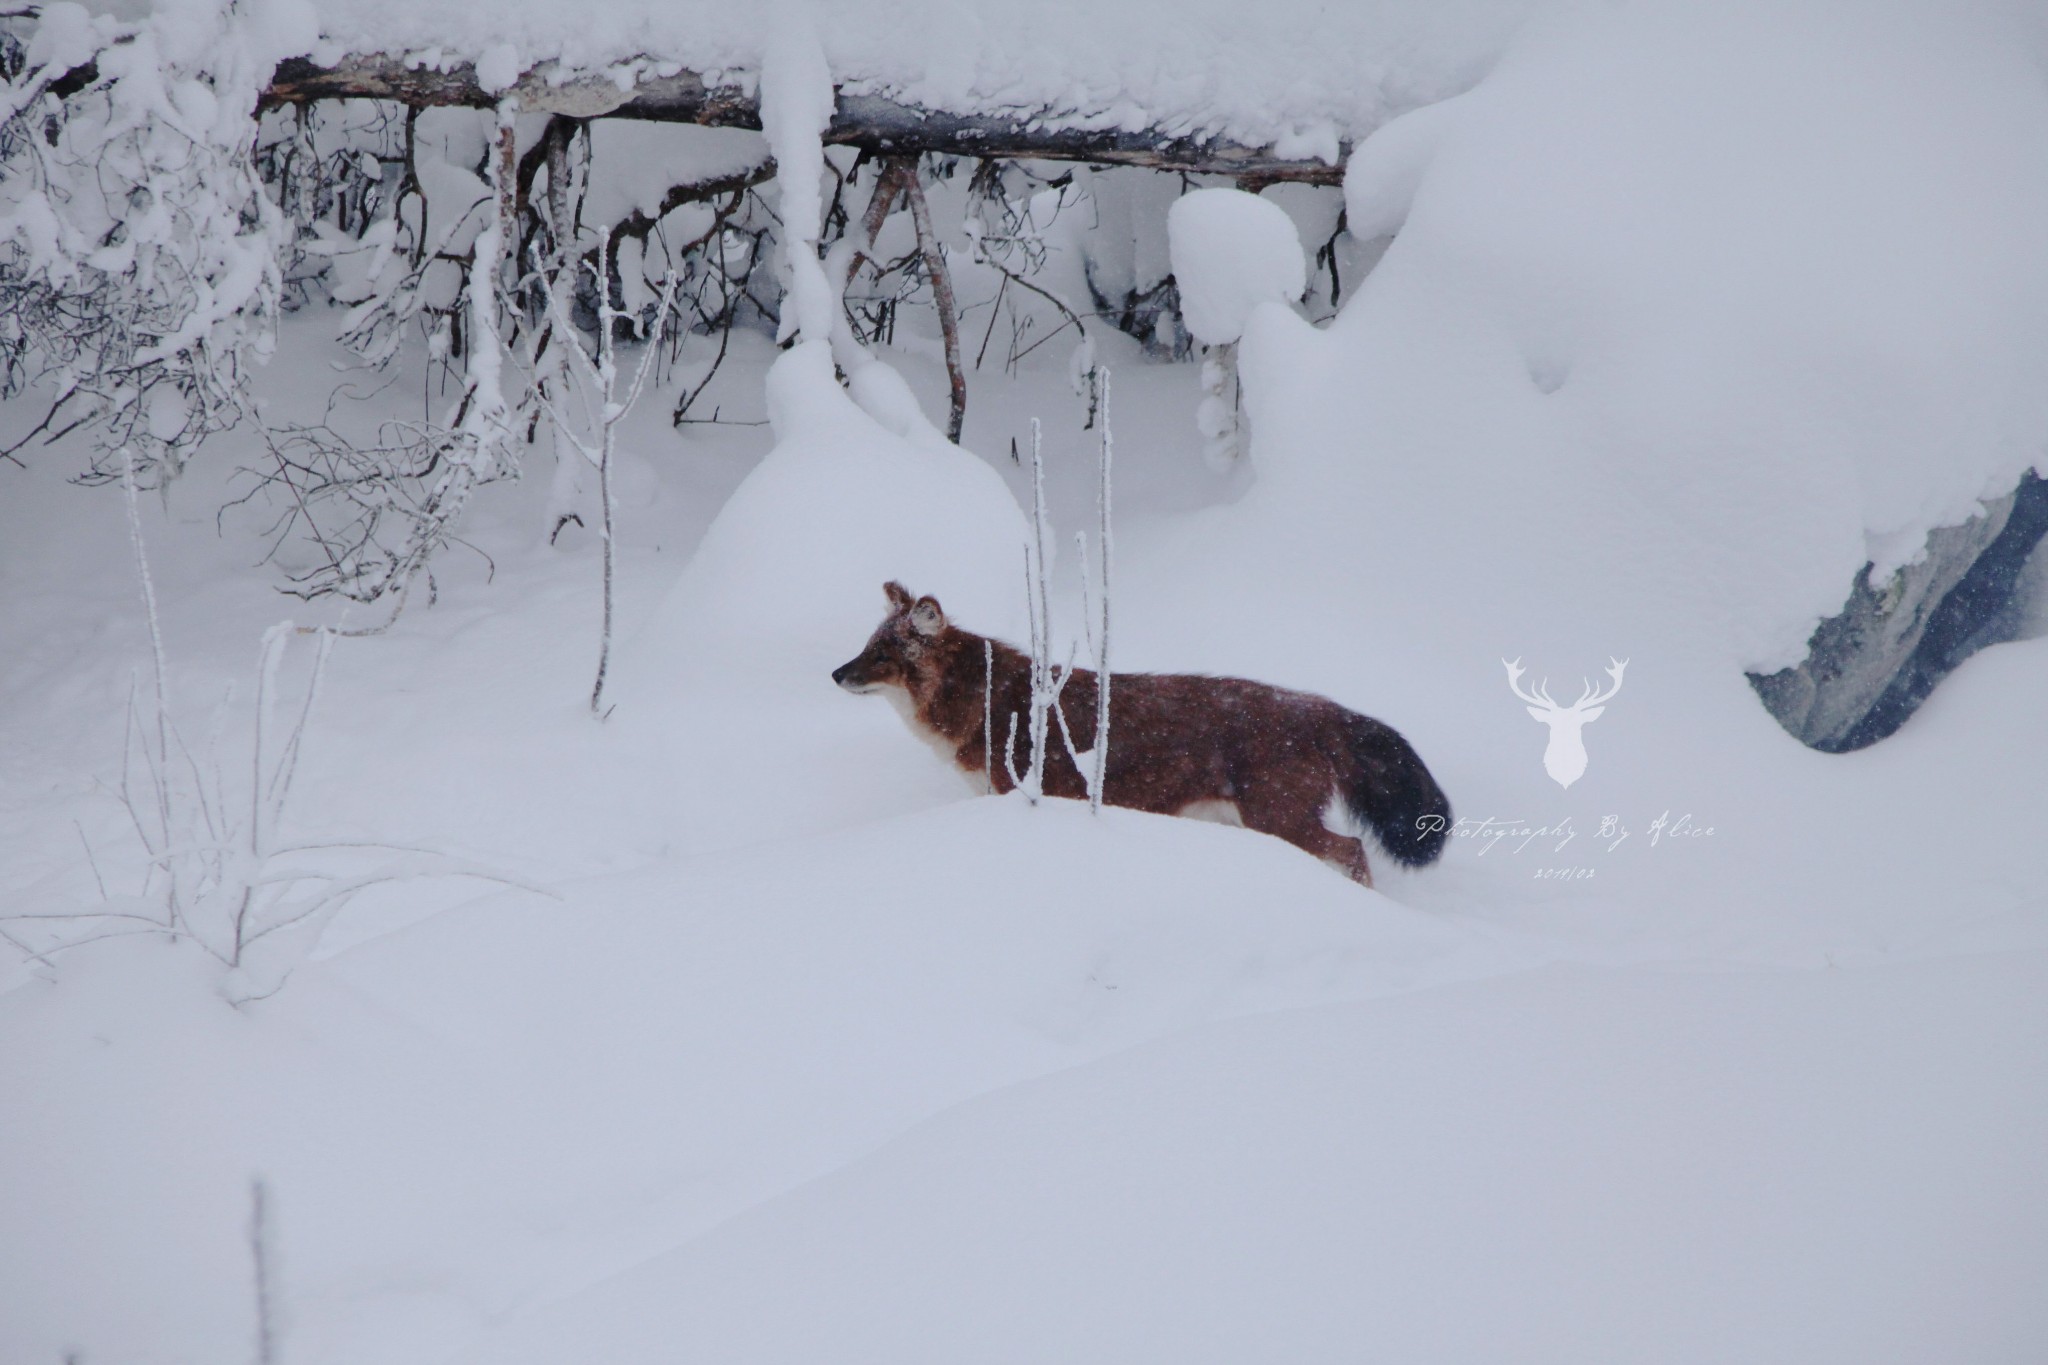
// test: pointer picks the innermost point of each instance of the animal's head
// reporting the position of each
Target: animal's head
(903, 650)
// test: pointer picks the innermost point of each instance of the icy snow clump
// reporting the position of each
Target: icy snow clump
(1231, 251)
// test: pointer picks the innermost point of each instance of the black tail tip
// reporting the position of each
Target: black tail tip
(1394, 795)
(1420, 841)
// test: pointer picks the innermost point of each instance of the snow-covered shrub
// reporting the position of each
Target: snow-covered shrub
(154, 221)
(1011, 211)
(425, 261)
(138, 250)
(456, 239)
(143, 261)
(335, 170)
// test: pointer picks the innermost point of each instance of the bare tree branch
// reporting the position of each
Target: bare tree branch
(942, 295)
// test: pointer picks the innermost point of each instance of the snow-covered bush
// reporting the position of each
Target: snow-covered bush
(155, 218)
(1010, 213)
(457, 238)
(138, 250)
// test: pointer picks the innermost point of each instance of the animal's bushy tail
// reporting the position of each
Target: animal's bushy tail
(1389, 790)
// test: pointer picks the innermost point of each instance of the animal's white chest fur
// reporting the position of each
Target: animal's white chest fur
(946, 749)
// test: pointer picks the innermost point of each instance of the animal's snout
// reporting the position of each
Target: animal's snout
(843, 675)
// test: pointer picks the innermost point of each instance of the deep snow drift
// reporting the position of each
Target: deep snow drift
(1728, 1050)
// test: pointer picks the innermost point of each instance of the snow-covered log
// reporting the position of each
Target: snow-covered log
(874, 122)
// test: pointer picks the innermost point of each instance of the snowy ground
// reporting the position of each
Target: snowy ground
(800, 1051)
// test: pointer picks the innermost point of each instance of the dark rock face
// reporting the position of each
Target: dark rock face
(1869, 668)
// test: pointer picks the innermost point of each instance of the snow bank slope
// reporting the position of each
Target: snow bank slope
(1571, 1166)
(1661, 354)
(1681, 235)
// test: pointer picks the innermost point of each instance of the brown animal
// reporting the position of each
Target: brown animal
(1219, 748)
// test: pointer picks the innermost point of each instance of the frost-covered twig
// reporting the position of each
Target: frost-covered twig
(1085, 372)
(1047, 682)
(340, 889)
(217, 868)
(604, 407)
(1038, 605)
(377, 511)
(1010, 756)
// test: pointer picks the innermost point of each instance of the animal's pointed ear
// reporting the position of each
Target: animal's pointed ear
(927, 617)
(898, 595)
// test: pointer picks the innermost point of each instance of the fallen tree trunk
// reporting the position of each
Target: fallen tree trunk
(874, 123)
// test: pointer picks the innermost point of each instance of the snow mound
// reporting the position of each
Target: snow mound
(1687, 221)
(1231, 252)
(1660, 334)
(1659, 358)
(732, 675)
(1549, 1169)
(859, 490)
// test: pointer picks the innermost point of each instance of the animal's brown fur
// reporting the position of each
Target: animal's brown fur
(1177, 742)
